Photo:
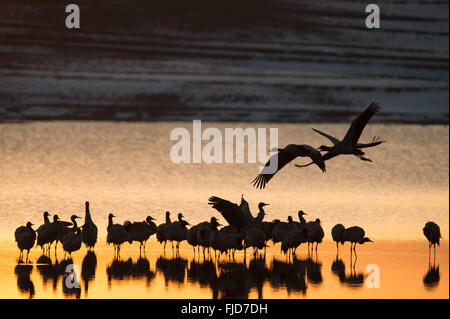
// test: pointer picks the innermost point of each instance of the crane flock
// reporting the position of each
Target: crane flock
(244, 231)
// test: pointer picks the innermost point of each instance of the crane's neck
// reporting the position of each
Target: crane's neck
(46, 219)
(260, 215)
(87, 217)
(110, 221)
(74, 222)
(302, 220)
(168, 218)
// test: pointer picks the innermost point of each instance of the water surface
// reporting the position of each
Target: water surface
(404, 272)
(125, 168)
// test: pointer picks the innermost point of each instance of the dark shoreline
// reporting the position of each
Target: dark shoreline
(26, 121)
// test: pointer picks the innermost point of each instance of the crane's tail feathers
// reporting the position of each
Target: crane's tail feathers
(377, 139)
(364, 158)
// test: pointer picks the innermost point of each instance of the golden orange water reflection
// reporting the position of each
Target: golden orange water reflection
(403, 268)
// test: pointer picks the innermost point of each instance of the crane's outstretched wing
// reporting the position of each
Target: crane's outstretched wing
(246, 214)
(230, 211)
(325, 157)
(331, 138)
(282, 158)
(358, 124)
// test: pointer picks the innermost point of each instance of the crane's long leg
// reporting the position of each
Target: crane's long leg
(351, 254)
(363, 158)
(375, 141)
(434, 258)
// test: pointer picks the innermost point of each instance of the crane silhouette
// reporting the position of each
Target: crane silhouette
(116, 235)
(354, 235)
(25, 237)
(89, 234)
(432, 232)
(349, 145)
(336, 233)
